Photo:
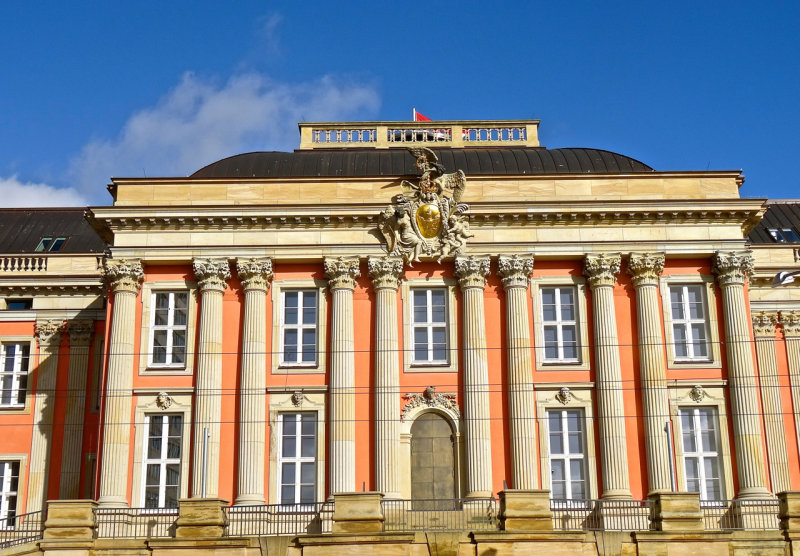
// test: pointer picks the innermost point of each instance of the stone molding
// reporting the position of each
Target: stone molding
(790, 322)
(385, 272)
(80, 332)
(123, 274)
(211, 274)
(49, 332)
(472, 271)
(602, 269)
(429, 398)
(733, 267)
(255, 274)
(764, 324)
(645, 268)
(342, 272)
(515, 270)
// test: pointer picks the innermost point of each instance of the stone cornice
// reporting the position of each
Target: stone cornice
(733, 268)
(254, 273)
(602, 269)
(49, 332)
(515, 270)
(342, 272)
(80, 332)
(472, 271)
(764, 324)
(385, 272)
(211, 274)
(645, 268)
(790, 321)
(123, 274)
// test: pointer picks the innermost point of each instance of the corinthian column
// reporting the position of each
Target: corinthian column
(515, 272)
(385, 273)
(48, 333)
(602, 272)
(732, 270)
(645, 270)
(341, 273)
(471, 273)
(125, 278)
(255, 275)
(80, 334)
(211, 275)
(790, 322)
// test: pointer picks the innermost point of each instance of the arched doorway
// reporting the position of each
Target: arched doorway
(433, 475)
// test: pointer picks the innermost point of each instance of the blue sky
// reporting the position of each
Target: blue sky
(94, 90)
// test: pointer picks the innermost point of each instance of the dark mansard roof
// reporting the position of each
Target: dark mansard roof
(781, 215)
(22, 230)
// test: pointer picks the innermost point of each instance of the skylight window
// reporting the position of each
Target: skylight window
(51, 244)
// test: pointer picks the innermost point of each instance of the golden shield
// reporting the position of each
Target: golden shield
(429, 220)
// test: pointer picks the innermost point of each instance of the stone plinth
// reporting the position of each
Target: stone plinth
(70, 520)
(201, 518)
(357, 512)
(525, 510)
(789, 514)
(676, 511)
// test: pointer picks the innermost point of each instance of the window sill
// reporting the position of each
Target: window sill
(287, 369)
(166, 370)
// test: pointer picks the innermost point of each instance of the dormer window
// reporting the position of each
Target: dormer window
(51, 244)
(784, 235)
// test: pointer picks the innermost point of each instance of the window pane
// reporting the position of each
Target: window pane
(679, 336)
(162, 301)
(578, 490)
(559, 489)
(307, 473)
(574, 421)
(307, 446)
(437, 313)
(554, 421)
(309, 345)
(174, 448)
(567, 304)
(307, 494)
(692, 470)
(575, 443)
(288, 474)
(548, 313)
(171, 497)
(287, 494)
(550, 342)
(308, 423)
(151, 497)
(290, 299)
(153, 474)
(699, 340)
(179, 317)
(576, 470)
(556, 443)
(173, 477)
(548, 296)
(290, 345)
(557, 470)
(713, 489)
(309, 315)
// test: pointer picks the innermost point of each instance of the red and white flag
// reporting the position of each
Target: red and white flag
(419, 117)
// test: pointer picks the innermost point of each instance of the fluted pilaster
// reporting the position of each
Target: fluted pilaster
(341, 273)
(602, 271)
(515, 272)
(732, 270)
(645, 270)
(255, 275)
(124, 277)
(211, 276)
(471, 273)
(790, 322)
(385, 273)
(80, 333)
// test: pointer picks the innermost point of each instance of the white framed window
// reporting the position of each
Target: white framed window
(701, 452)
(429, 326)
(567, 451)
(297, 457)
(784, 235)
(689, 322)
(9, 483)
(299, 319)
(559, 323)
(169, 317)
(161, 465)
(14, 362)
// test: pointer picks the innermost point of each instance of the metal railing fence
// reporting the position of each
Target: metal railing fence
(145, 523)
(19, 529)
(601, 515)
(279, 519)
(466, 514)
(749, 514)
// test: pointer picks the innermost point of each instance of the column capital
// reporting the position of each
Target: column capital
(602, 269)
(733, 267)
(472, 271)
(48, 332)
(255, 274)
(342, 272)
(764, 323)
(211, 274)
(515, 270)
(385, 272)
(790, 321)
(645, 268)
(123, 274)
(80, 332)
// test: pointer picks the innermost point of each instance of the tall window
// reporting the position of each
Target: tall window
(560, 326)
(162, 461)
(700, 438)
(13, 374)
(689, 323)
(9, 482)
(299, 327)
(567, 454)
(429, 325)
(168, 328)
(297, 460)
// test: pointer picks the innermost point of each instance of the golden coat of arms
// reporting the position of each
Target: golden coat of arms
(427, 220)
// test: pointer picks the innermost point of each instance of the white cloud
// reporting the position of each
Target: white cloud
(199, 122)
(14, 193)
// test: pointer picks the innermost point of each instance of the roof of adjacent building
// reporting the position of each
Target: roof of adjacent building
(783, 214)
(21, 230)
(399, 162)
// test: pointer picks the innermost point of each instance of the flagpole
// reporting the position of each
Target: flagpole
(413, 114)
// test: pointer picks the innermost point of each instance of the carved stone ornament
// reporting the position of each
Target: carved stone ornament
(49, 331)
(427, 220)
(297, 398)
(342, 272)
(602, 269)
(697, 393)
(429, 398)
(515, 270)
(80, 332)
(564, 396)
(645, 268)
(472, 271)
(211, 274)
(163, 401)
(764, 324)
(123, 274)
(385, 272)
(733, 268)
(255, 274)
(790, 322)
